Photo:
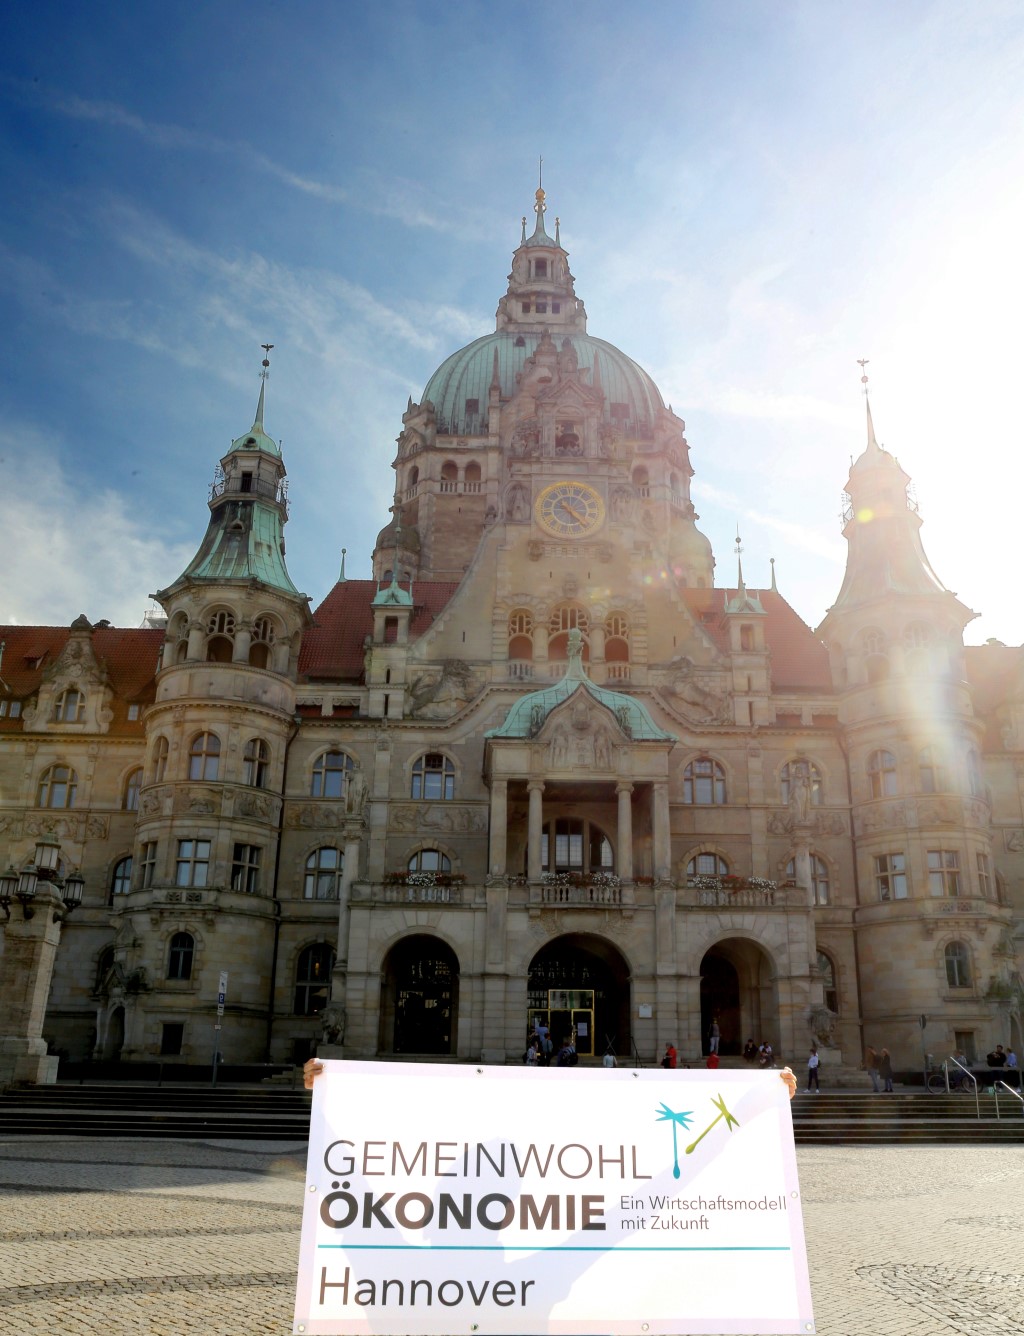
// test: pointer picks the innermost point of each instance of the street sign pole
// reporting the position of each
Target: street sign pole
(222, 992)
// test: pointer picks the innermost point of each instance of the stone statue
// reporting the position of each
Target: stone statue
(694, 699)
(332, 1025)
(800, 795)
(822, 1026)
(355, 793)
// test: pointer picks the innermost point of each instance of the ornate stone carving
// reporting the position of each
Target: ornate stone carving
(882, 817)
(1014, 841)
(443, 818)
(822, 1026)
(438, 694)
(693, 699)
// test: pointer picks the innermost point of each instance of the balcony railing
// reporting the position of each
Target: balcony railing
(617, 672)
(520, 668)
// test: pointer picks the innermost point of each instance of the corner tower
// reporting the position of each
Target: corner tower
(921, 813)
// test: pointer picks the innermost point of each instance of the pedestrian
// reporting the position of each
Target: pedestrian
(712, 1062)
(766, 1055)
(714, 1035)
(567, 1055)
(533, 1053)
(812, 1071)
(609, 1060)
(750, 1051)
(670, 1060)
(885, 1070)
(871, 1066)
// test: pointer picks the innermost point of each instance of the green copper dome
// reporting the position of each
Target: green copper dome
(466, 376)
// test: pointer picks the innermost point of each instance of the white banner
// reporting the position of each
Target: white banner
(451, 1199)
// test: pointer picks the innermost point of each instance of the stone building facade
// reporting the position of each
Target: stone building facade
(540, 766)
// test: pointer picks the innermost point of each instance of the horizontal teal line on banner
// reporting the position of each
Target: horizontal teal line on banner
(485, 1247)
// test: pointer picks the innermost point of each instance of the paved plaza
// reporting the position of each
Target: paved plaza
(171, 1238)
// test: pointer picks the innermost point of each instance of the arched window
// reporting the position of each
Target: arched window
(180, 956)
(641, 481)
(161, 751)
(121, 879)
(132, 789)
(707, 865)
(820, 883)
(256, 763)
(330, 775)
(313, 979)
(433, 778)
(873, 641)
(827, 970)
(68, 707)
(616, 638)
(788, 774)
(704, 782)
(932, 773)
(449, 476)
(104, 964)
(917, 636)
(565, 618)
(882, 777)
(261, 642)
(220, 637)
(429, 860)
(520, 634)
(323, 872)
(58, 787)
(571, 844)
(958, 965)
(204, 756)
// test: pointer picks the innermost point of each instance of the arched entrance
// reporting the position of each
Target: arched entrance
(420, 998)
(113, 1039)
(737, 985)
(580, 984)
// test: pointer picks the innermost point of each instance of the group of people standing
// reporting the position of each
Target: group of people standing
(879, 1067)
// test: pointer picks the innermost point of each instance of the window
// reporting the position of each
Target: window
(161, 751)
(540, 268)
(330, 775)
(707, 865)
(121, 879)
(577, 846)
(827, 970)
(944, 872)
(430, 860)
(873, 642)
(932, 772)
(616, 638)
(704, 782)
(472, 407)
(57, 787)
(917, 636)
(891, 876)
(882, 774)
(323, 872)
(433, 778)
(261, 642)
(68, 707)
(313, 979)
(180, 955)
(788, 774)
(245, 869)
(984, 876)
(820, 884)
(172, 1036)
(193, 864)
(132, 788)
(133, 713)
(204, 757)
(520, 634)
(10, 708)
(104, 964)
(147, 864)
(958, 965)
(256, 763)
(963, 1042)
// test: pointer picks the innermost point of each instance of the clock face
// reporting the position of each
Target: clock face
(569, 509)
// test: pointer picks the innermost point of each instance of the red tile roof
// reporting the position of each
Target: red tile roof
(333, 648)
(129, 655)
(799, 659)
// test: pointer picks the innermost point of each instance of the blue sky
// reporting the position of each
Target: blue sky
(753, 196)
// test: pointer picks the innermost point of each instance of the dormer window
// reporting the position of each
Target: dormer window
(68, 707)
(527, 308)
(520, 341)
(540, 268)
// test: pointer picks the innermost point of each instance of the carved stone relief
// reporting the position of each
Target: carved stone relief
(440, 817)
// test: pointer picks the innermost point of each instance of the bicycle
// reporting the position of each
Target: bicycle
(958, 1083)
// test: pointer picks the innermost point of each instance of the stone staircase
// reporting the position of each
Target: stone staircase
(271, 1113)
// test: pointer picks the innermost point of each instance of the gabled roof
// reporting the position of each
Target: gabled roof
(332, 649)
(129, 655)
(799, 659)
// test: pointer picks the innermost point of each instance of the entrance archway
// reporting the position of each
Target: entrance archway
(420, 998)
(737, 985)
(113, 1040)
(581, 980)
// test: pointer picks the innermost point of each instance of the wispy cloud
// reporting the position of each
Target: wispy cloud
(797, 535)
(67, 551)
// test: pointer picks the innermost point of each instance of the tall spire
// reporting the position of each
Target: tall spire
(258, 420)
(740, 586)
(873, 446)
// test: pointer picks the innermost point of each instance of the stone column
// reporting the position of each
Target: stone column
(499, 826)
(243, 639)
(352, 834)
(535, 827)
(624, 789)
(662, 831)
(196, 639)
(30, 950)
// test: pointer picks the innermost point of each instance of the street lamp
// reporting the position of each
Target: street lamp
(8, 888)
(22, 883)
